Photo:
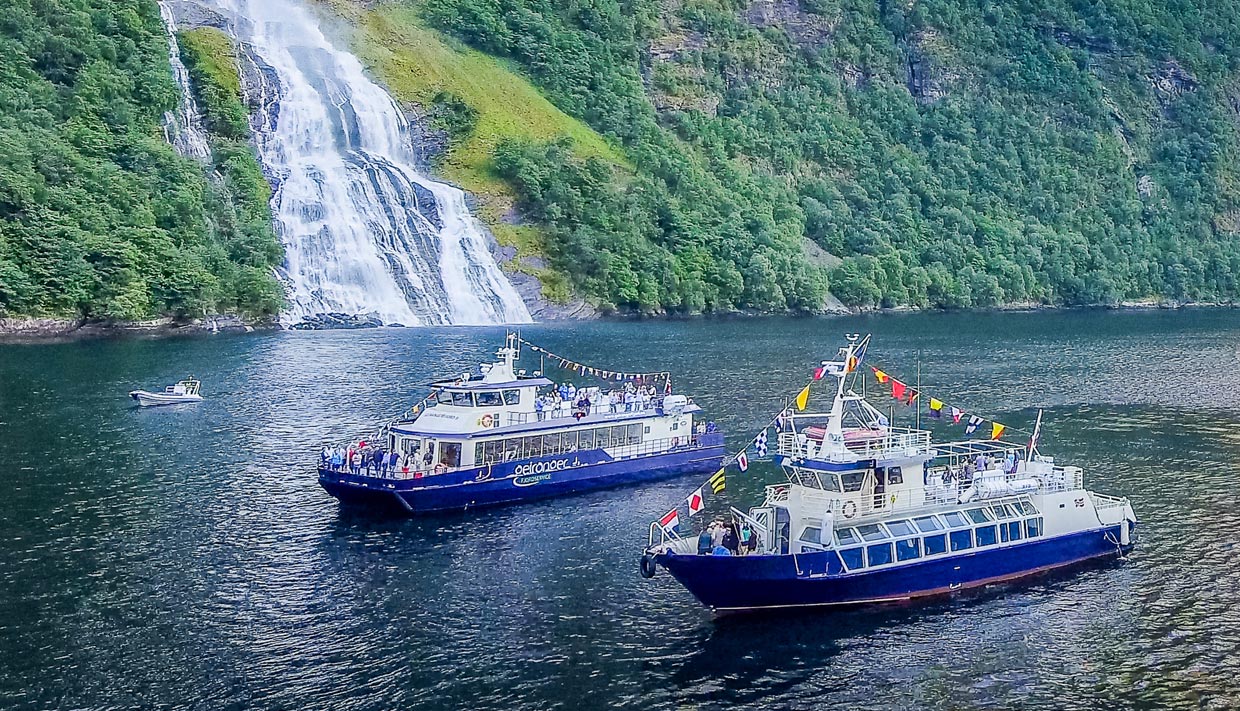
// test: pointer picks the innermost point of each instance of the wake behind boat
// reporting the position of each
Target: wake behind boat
(873, 513)
(497, 438)
(182, 392)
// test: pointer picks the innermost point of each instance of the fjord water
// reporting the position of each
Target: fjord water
(363, 230)
(186, 558)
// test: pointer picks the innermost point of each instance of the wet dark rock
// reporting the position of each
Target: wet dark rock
(336, 320)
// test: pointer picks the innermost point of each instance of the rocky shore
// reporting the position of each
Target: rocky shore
(17, 330)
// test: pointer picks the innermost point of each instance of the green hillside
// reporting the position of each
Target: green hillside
(99, 217)
(954, 153)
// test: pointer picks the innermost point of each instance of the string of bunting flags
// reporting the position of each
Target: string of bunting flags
(605, 374)
(696, 501)
(908, 395)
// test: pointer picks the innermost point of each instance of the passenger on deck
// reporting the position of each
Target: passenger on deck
(731, 540)
(716, 533)
(704, 544)
(614, 401)
(337, 459)
(538, 409)
(393, 460)
(355, 462)
(325, 456)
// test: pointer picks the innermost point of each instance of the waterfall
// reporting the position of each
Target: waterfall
(182, 127)
(364, 231)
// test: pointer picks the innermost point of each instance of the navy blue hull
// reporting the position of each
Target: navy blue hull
(498, 485)
(726, 583)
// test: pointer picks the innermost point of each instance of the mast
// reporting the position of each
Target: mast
(834, 439)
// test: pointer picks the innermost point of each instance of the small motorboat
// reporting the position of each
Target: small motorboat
(184, 391)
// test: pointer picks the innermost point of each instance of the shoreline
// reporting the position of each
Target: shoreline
(17, 330)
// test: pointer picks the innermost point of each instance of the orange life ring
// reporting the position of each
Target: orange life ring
(487, 420)
(849, 513)
(440, 469)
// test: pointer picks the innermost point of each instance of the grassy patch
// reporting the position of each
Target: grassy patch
(422, 66)
(212, 63)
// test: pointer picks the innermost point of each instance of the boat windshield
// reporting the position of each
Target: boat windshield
(458, 398)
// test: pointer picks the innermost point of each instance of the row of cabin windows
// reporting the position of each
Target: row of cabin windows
(847, 482)
(913, 548)
(513, 448)
(484, 398)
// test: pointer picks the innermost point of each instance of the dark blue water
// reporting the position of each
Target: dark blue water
(186, 557)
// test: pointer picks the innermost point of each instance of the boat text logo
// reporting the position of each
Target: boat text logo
(534, 472)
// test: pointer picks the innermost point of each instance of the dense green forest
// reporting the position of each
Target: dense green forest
(99, 217)
(953, 153)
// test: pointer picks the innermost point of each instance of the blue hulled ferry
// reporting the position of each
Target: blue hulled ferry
(873, 514)
(496, 438)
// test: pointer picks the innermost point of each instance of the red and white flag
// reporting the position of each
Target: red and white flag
(695, 502)
(957, 413)
(742, 461)
(670, 520)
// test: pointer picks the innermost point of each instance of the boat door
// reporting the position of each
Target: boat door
(761, 520)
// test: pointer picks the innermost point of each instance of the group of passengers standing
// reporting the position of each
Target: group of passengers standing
(633, 398)
(375, 461)
(721, 538)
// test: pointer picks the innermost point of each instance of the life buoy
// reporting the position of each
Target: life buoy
(487, 420)
(440, 469)
(850, 509)
(647, 565)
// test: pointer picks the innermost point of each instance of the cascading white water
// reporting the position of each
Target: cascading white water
(182, 127)
(363, 230)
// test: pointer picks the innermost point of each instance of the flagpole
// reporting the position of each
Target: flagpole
(918, 389)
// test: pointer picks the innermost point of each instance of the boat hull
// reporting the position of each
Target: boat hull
(512, 483)
(147, 399)
(735, 584)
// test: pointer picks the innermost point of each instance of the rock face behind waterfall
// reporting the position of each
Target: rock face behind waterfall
(367, 235)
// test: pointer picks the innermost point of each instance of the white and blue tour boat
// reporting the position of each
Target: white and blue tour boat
(494, 438)
(873, 513)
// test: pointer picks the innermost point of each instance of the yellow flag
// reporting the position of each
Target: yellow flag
(996, 430)
(803, 398)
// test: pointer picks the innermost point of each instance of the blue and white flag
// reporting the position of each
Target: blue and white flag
(760, 444)
(974, 421)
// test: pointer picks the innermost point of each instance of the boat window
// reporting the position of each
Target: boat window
(531, 447)
(999, 512)
(852, 558)
(444, 397)
(955, 519)
(512, 397)
(908, 549)
(847, 536)
(961, 540)
(872, 532)
(647, 429)
(901, 528)
(928, 524)
(551, 444)
(935, 544)
(1034, 527)
(635, 434)
(568, 441)
(450, 454)
(410, 444)
(895, 475)
(851, 481)
(618, 435)
(489, 399)
(812, 535)
(462, 399)
(986, 536)
(1026, 508)
(1010, 531)
(1010, 511)
(585, 439)
(978, 515)
(879, 554)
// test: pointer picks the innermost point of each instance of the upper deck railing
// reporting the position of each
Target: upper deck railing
(939, 491)
(866, 444)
